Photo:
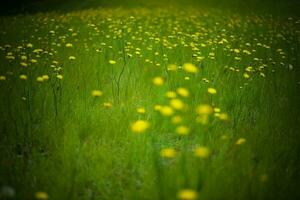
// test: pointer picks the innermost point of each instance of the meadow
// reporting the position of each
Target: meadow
(149, 103)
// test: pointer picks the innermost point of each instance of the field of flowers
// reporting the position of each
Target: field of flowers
(149, 104)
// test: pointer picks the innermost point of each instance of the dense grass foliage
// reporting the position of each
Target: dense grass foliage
(149, 104)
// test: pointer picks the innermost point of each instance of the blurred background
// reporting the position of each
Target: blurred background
(11, 7)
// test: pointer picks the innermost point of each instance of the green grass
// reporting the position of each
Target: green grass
(57, 138)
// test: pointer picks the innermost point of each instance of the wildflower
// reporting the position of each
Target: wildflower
(190, 68)
(112, 62)
(202, 152)
(187, 194)
(23, 64)
(182, 130)
(69, 45)
(168, 153)
(41, 195)
(223, 117)
(140, 126)
(157, 107)
(176, 119)
(33, 61)
(171, 94)
(166, 110)
(204, 109)
(141, 110)
(29, 45)
(246, 75)
(39, 79)
(97, 93)
(240, 141)
(2, 78)
(172, 67)
(107, 104)
(212, 90)
(158, 81)
(183, 92)
(72, 57)
(45, 77)
(177, 104)
(59, 76)
(23, 77)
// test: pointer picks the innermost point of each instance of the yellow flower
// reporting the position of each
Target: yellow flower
(212, 90)
(217, 110)
(23, 64)
(72, 57)
(2, 78)
(157, 107)
(176, 119)
(166, 110)
(45, 77)
(171, 94)
(190, 68)
(112, 62)
(177, 104)
(107, 104)
(240, 141)
(168, 153)
(141, 110)
(39, 79)
(158, 81)
(187, 194)
(140, 126)
(59, 76)
(204, 109)
(97, 93)
(182, 130)
(246, 75)
(223, 116)
(202, 152)
(23, 77)
(183, 92)
(172, 67)
(29, 45)
(41, 195)
(69, 45)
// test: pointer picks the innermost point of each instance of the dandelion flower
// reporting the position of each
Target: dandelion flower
(45, 77)
(171, 94)
(240, 141)
(2, 78)
(97, 93)
(246, 75)
(166, 110)
(69, 45)
(183, 92)
(187, 194)
(176, 104)
(39, 79)
(23, 77)
(176, 119)
(182, 130)
(202, 152)
(140, 126)
(72, 57)
(107, 104)
(190, 68)
(59, 76)
(212, 90)
(141, 110)
(112, 62)
(204, 109)
(168, 153)
(41, 195)
(158, 81)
